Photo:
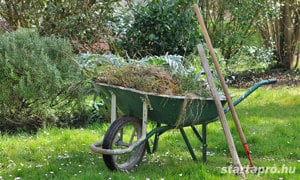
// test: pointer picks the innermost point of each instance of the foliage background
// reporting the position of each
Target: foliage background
(83, 22)
(248, 36)
(157, 27)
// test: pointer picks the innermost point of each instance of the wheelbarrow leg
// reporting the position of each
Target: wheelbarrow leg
(202, 139)
(188, 144)
(204, 145)
(156, 139)
(197, 133)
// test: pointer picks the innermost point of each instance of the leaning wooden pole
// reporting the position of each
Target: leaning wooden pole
(223, 83)
(220, 110)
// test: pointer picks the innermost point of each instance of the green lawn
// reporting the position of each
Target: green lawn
(269, 117)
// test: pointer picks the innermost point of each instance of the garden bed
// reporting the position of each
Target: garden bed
(247, 79)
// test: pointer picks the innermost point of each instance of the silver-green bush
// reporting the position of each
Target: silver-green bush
(40, 84)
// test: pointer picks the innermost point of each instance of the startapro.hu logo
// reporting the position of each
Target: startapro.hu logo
(283, 169)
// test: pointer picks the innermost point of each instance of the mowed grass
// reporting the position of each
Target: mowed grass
(269, 117)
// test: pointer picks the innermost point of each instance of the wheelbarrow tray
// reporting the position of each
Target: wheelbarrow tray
(173, 110)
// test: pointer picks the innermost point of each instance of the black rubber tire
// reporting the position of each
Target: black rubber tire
(115, 137)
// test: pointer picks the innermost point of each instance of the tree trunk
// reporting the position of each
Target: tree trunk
(284, 31)
(285, 37)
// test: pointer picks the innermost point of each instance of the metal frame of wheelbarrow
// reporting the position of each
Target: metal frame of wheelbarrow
(159, 130)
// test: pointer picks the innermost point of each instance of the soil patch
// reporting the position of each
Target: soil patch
(247, 79)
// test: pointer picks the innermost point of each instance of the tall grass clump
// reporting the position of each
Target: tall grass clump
(40, 84)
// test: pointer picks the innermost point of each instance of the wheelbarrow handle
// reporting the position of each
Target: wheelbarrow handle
(251, 90)
(261, 83)
(272, 81)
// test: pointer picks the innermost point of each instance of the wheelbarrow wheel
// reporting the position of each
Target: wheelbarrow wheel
(122, 133)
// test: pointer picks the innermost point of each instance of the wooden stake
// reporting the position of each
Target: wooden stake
(221, 113)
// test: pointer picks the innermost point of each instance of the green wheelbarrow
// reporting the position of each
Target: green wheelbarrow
(126, 140)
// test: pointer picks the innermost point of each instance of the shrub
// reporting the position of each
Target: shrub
(83, 22)
(40, 84)
(157, 27)
(252, 58)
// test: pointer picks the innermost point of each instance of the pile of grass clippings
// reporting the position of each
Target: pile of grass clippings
(151, 78)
